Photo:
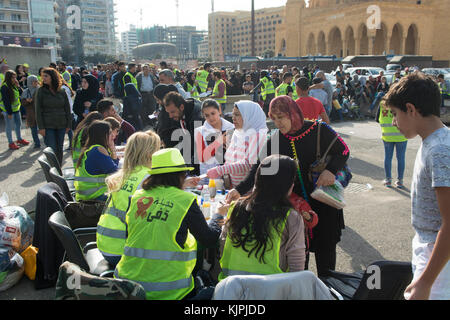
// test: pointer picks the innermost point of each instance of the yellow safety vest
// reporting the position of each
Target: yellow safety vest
(235, 261)
(15, 106)
(281, 90)
(189, 87)
(152, 257)
(202, 79)
(216, 92)
(268, 88)
(87, 186)
(70, 78)
(390, 133)
(111, 227)
(133, 81)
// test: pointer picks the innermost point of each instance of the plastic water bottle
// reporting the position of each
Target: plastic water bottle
(205, 194)
(212, 189)
(206, 209)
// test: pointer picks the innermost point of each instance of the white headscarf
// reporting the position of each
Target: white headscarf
(252, 115)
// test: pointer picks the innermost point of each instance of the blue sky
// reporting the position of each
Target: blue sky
(192, 12)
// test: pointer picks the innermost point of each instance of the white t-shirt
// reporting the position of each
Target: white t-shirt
(69, 96)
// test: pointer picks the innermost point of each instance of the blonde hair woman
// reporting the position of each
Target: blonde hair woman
(111, 228)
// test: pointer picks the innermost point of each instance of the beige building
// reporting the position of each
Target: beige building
(356, 27)
(230, 32)
(15, 18)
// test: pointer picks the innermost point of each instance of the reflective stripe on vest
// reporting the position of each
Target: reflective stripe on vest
(216, 92)
(389, 132)
(162, 286)
(268, 88)
(87, 186)
(202, 79)
(153, 221)
(15, 106)
(113, 219)
(281, 90)
(235, 261)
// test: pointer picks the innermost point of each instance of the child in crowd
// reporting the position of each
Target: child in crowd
(415, 103)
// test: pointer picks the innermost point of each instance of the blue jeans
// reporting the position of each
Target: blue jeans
(400, 148)
(17, 119)
(34, 133)
(54, 138)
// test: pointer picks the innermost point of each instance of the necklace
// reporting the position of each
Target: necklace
(294, 151)
(301, 136)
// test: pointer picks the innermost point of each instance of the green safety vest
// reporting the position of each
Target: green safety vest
(281, 90)
(443, 87)
(202, 79)
(2, 78)
(235, 261)
(70, 78)
(216, 92)
(15, 106)
(390, 133)
(111, 227)
(151, 256)
(195, 94)
(294, 90)
(87, 186)
(133, 81)
(268, 88)
(76, 148)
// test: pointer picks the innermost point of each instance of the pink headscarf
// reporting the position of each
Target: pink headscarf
(285, 104)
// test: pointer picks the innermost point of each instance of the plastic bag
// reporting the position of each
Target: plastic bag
(331, 195)
(16, 235)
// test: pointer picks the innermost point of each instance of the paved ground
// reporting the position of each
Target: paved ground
(377, 219)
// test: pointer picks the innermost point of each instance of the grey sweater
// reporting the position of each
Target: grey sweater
(52, 110)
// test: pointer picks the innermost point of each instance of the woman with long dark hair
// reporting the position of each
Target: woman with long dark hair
(297, 139)
(87, 97)
(81, 134)
(53, 115)
(263, 234)
(98, 159)
(10, 107)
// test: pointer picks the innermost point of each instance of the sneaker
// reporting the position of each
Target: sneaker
(387, 183)
(13, 146)
(399, 184)
(23, 142)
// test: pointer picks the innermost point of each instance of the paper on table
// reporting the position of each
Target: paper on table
(203, 176)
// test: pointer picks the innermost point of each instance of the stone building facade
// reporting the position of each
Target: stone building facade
(360, 27)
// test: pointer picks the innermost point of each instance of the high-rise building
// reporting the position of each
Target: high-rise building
(230, 33)
(203, 49)
(15, 21)
(95, 33)
(44, 23)
(129, 41)
(155, 34)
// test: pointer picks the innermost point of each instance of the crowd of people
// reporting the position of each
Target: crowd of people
(173, 131)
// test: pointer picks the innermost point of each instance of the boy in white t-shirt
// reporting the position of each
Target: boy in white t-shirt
(415, 104)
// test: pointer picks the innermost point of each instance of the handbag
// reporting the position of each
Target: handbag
(84, 214)
(317, 167)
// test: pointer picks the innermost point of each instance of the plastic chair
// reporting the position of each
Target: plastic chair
(63, 184)
(89, 258)
(45, 167)
(68, 173)
(383, 280)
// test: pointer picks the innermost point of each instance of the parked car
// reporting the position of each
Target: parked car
(365, 72)
(332, 79)
(392, 67)
(437, 71)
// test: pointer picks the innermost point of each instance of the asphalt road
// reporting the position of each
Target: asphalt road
(378, 220)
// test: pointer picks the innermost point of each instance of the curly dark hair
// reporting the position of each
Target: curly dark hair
(56, 79)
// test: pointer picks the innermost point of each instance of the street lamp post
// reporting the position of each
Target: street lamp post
(253, 28)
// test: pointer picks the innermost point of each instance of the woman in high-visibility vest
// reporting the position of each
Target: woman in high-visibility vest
(111, 228)
(263, 234)
(98, 159)
(392, 139)
(10, 107)
(164, 224)
(191, 86)
(81, 134)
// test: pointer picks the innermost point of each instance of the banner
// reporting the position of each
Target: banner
(22, 41)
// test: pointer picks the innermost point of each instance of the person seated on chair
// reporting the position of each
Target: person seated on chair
(111, 228)
(98, 159)
(115, 127)
(106, 109)
(164, 224)
(80, 135)
(263, 233)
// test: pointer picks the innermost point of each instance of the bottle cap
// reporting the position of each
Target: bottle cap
(212, 183)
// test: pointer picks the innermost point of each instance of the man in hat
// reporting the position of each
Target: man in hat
(164, 224)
